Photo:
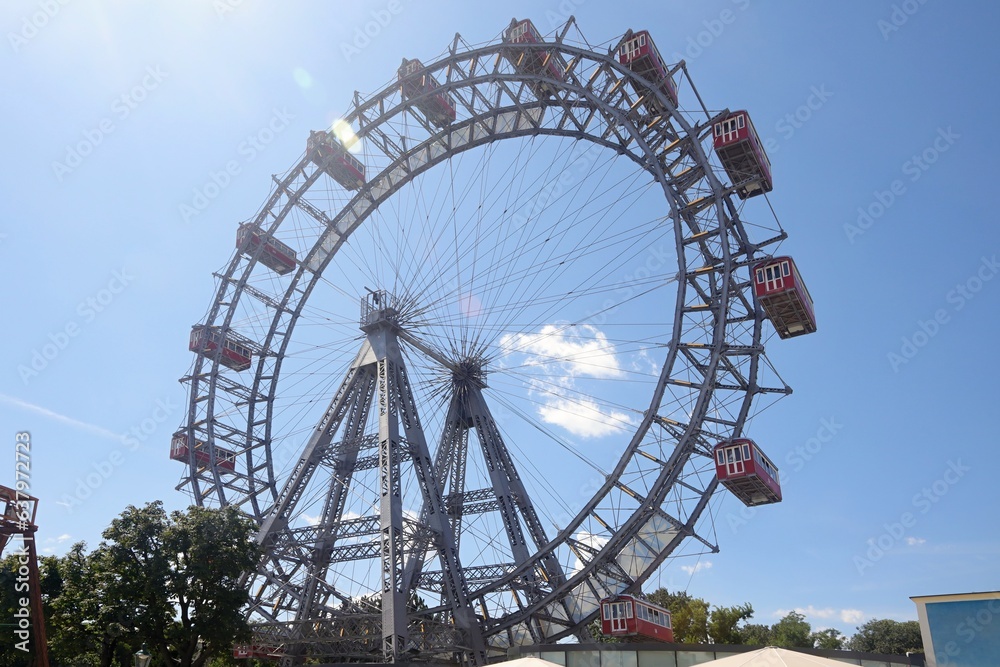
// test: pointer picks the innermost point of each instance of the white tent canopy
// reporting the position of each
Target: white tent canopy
(772, 657)
(529, 662)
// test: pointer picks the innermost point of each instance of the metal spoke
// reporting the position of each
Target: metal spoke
(362, 523)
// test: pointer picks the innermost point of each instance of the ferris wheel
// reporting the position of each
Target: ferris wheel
(472, 359)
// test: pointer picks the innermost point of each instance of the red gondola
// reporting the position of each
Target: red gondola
(531, 60)
(742, 155)
(437, 105)
(330, 155)
(632, 617)
(256, 651)
(224, 458)
(783, 296)
(639, 54)
(206, 340)
(276, 255)
(743, 468)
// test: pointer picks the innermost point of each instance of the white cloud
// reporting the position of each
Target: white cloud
(582, 417)
(557, 358)
(580, 351)
(645, 363)
(590, 540)
(852, 615)
(55, 416)
(825, 613)
(914, 541)
(697, 567)
(809, 611)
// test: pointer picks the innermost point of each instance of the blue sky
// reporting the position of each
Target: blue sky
(871, 112)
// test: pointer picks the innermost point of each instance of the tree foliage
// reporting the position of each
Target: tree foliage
(170, 581)
(830, 638)
(888, 637)
(10, 604)
(597, 633)
(13, 592)
(178, 578)
(792, 631)
(755, 634)
(87, 625)
(723, 623)
(694, 623)
(688, 615)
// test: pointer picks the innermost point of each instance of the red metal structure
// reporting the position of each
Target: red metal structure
(779, 290)
(536, 60)
(745, 470)
(437, 105)
(225, 459)
(256, 651)
(742, 155)
(639, 54)
(631, 617)
(330, 155)
(206, 340)
(276, 256)
(18, 518)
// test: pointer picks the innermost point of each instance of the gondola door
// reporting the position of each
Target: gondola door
(734, 460)
(774, 278)
(618, 617)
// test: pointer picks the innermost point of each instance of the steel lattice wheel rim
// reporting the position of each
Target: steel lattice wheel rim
(713, 368)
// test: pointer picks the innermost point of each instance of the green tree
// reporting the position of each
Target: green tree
(597, 633)
(831, 638)
(13, 591)
(755, 634)
(688, 615)
(87, 626)
(792, 631)
(723, 622)
(888, 637)
(178, 578)
(132, 570)
(10, 599)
